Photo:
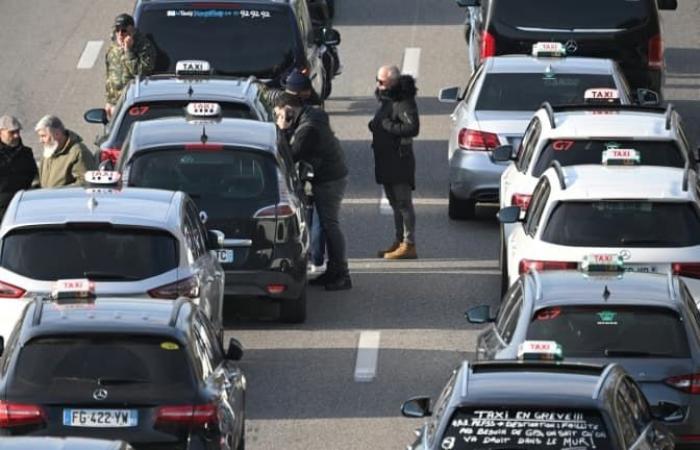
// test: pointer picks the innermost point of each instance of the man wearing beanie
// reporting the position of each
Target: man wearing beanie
(17, 166)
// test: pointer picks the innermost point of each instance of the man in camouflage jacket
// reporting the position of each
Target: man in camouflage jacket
(130, 54)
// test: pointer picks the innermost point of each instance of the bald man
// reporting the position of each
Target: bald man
(393, 128)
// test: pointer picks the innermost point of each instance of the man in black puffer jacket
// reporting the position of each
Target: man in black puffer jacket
(311, 139)
(17, 166)
(393, 128)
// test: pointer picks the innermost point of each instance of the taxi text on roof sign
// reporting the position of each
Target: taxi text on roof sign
(602, 262)
(601, 95)
(102, 177)
(544, 49)
(192, 67)
(204, 109)
(540, 350)
(621, 157)
(73, 288)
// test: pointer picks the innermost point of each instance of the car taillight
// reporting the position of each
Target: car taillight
(182, 288)
(687, 383)
(656, 52)
(469, 139)
(522, 201)
(488, 45)
(691, 269)
(9, 291)
(204, 147)
(192, 415)
(19, 414)
(527, 265)
(110, 154)
(276, 288)
(280, 211)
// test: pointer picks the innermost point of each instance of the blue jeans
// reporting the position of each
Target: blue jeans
(318, 238)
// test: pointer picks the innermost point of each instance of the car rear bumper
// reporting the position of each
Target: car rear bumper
(252, 283)
(473, 175)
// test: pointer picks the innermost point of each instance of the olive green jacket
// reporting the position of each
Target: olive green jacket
(67, 166)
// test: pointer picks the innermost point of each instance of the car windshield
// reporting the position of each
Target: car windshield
(573, 14)
(611, 331)
(527, 91)
(69, 367)
(235, 39)
(239, 179)
(623, 224)
(140, 112)
(570, 152)
(536, 428)
(102, 253)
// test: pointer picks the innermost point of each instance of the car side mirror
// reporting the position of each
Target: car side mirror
(106, 166)
(668, 4)
(464, 3)
(479, 314)
(2, 345)
(509, 214)
(234, 352)
(667, 412)
(503, 153)
(449, 95)
(330, 36)
(416, 407)
(96, 115)
(647, 97)
(215, 239)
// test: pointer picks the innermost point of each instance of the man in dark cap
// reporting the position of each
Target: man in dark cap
(297, 84)
(17, 166)
(129, 55)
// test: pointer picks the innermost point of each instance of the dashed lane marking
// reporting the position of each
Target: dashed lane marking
(367, 356)
(89, 55)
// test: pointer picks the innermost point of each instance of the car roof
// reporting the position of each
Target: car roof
(210, 88)
(132, 207)
(566, 65)
(178, 131)
(556, 288)
(58, 443)
(605, 123)
(529, 384)
(594, 182)
(105, 315)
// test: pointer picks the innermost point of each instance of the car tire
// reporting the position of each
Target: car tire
(459, 209)
(293, 310)
(503, 262)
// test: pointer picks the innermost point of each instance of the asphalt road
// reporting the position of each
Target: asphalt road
(303, 392)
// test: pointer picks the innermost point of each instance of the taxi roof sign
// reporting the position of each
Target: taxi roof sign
(204, 110)
(601, 95)
(76, 288)
(102, 177)
(192, 67)
(621, 157)
(548, 49)
(540, 351)
(603, 262)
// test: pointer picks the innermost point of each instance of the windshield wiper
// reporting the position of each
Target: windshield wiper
(644, 241)
(96, 275)
(612, 352)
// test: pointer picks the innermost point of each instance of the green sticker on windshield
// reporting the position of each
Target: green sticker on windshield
(169, 346)
(607, 318)
(611, 145)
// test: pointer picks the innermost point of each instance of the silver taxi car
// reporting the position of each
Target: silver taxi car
(135, 242)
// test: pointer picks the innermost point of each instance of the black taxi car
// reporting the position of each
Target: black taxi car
(151, 373)
(538, 405)
(245, 186)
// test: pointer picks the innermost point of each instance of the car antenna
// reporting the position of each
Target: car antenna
(204, 138)
(606, 293)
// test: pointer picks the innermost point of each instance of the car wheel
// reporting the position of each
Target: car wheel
(459, 209)
(293, 310)
(503, 262)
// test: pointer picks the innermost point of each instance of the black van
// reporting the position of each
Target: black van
(627, 31)
(264, 38)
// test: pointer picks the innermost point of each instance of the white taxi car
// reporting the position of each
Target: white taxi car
(580, 134)
(649, 216)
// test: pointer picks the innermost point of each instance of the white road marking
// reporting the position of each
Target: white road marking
(416, 201)
(89, 56)
(384, 206)
(367, 356)
(411, 61)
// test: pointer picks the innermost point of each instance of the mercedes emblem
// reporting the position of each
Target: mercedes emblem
(100, 394)
(571, 46)
(625, 254)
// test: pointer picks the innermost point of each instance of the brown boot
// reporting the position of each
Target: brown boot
(405, 251)
(393, 247)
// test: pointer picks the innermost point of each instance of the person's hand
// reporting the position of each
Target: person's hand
(127, 42)
(283, 118)
(109, 109)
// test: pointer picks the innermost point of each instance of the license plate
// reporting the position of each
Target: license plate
(225, 256)
(100, 418)
(644, 269)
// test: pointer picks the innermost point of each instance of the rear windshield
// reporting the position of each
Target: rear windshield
(623, 224)
(527, 91)
(239, 176)
(573, 14)
(570, 152)
(611, 331)
(142, 111)
(500, 428)
(70, 368)
(98, 253)
(256, 41)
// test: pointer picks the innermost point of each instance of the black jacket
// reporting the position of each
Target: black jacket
(393, 128)
(312, 140)
(17, 171)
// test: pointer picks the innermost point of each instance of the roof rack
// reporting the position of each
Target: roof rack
(601, 380)
(137, 89)
(176, 310)
(669, 115)
(538, 284)
(248, 84)
(671, 287)
(560, 173)
(608, 106)
(686, 174)
(38, 310)
(550, 113)
(465, 383)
